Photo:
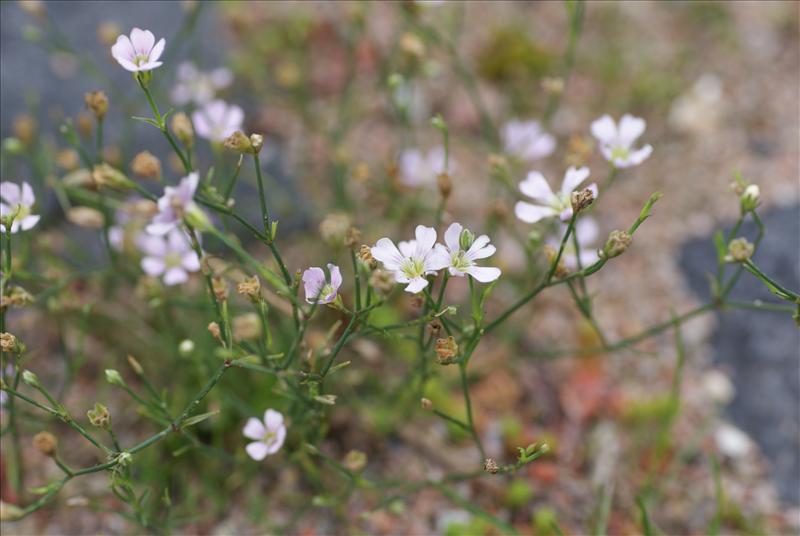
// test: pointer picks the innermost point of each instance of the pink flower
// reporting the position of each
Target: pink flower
(217, 120)
(17, 201)
(140, 52)
(197, 86)
(549, 203)
(616, 141)
(461, 252)
(527, 140)
(268, 436)
(174, 204)
(318, 289)
(413, 261)
(170, 257)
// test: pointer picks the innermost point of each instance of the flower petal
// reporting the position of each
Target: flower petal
(532, 213)
(336, 277)
(257, 450)
(573, 178)
(10, 192)
(142, 41)
(190, 262)
(29, 222)
(416, 285)
(273, 420)
(605, 130)
(484, 274)
(254, 429)
(481, 253)
(153, 266)
(630, 128)
(387, 253)
(426, 238)
(640, 155)
(175, 276)
(157, 50)
(27, 197)
(452, 236)
(275, 445)
(123, 50)
(313, 281)
(536, 187)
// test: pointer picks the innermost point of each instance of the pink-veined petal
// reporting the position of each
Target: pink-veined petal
(123, 50)
(313, 281)
(336, 277)
(142, 41)
(157, 50)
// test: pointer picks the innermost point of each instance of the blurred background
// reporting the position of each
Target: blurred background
(339, 89)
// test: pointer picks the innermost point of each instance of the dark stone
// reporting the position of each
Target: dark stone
(761, 349)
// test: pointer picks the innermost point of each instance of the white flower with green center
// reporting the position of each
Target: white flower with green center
(411, 262)
(17, 201)
(616, 141)
(170, 257)
(550, 203)
(267, 436)
(139, 52)
(318, 289)
(461, 251)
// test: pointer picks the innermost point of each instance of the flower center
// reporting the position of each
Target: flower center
(172, 260)
(269, 437)
(140, 59)
(459, 261)
(413, 267)
(325, 291)
(22, 211)
(620, 153)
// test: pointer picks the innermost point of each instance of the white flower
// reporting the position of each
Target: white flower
(586, 231)
(462, 250)
(527, 140)
(217, 120)
(197, 86)
(268, 436)
(549, 203)
(17, 201)
(318, 290)
(616, 142)
(418, 169)
(172, 206)
(140, 52)
(413, 260)
(170, 257)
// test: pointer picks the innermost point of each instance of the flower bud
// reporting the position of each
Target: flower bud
(114, 378)
(490, 466)
(97, 102)
(355, 461)
(104, 175)
(107, 32)
(445, 184)
(46, 443)
(246, 327)
(25, 128)
(435, 326)
(86, 217)
(68, 159)
(256, 142)
(220, 288)
(146, 165)
(186, 347)
(581, 199)
(197, 218)
(84, 124)
(250, 287)
(10, 512)
(238, 142)
(365, 254)
(446, 350)
(465, 239)
(750, 198)
(426, 404)
(550, 254)
(17, 297)
(182, 127)
(8, 342)
(739, 250)
(135, 365)
(617, 243)
(213, 328)
(30, 379)
(333, 229)
(412, 45)
(99, 416)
